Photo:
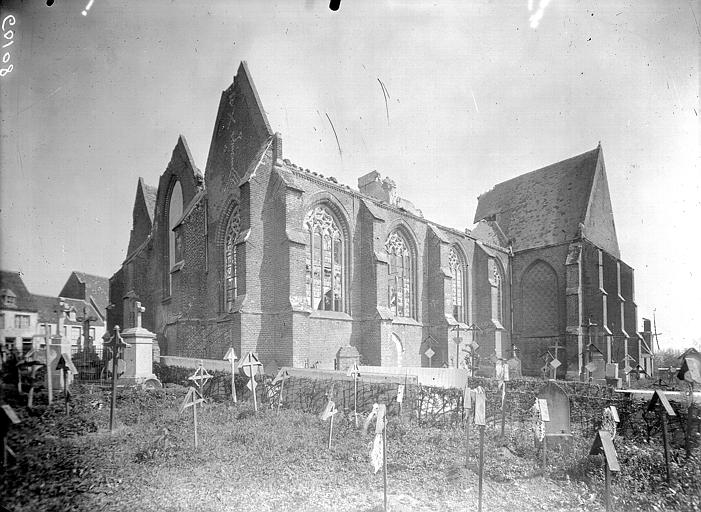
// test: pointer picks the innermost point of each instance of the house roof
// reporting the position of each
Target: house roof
(47, 307)
(10, 280)
(545, 206)
(96, 288)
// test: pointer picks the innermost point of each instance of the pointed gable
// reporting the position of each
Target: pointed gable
(142, 215)
(87, 287)
(599, 226)
(240, 130)
(543, 207)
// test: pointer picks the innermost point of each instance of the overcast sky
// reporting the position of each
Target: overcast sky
(477, 92)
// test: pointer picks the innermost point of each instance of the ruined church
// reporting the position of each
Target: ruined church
(260, 254)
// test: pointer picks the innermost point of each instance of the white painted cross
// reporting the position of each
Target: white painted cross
(250, 366)
(231, 357)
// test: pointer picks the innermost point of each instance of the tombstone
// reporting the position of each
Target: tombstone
(514, 368)
(138, 356)
(558, 428)
(346, 356)
(611, 370)
(598, 371)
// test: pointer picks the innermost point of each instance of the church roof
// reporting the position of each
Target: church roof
(12, 282)
(545, 206)
(149, 197)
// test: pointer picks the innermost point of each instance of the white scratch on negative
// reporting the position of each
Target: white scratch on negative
(538, 15)
(474, 100)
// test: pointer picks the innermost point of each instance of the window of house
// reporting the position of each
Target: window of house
(75, 335)
(457, 272)
(8, 298)
(400, 282)
(175, 212)
(233, 229)
(2, 321)
(21, 321)
(325, 261)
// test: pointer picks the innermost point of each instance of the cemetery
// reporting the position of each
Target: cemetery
(177, 438)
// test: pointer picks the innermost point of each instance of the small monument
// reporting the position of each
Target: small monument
(559, 411)
(346, 357)
(138, 356)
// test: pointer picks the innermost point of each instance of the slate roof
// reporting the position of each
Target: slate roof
(96, 287)
(545, 206)
(10, 280)
(47, 307)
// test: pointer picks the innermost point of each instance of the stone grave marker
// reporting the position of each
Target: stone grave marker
(559, 410)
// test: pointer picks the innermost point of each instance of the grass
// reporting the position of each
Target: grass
(260, 461)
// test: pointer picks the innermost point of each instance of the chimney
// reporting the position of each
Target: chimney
(372, 185)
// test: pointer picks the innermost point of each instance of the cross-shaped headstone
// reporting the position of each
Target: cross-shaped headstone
(114, 344)
(138, 309)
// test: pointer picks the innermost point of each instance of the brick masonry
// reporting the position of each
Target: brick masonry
(245, 172)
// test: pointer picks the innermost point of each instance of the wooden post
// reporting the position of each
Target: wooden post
(481, 469)
(355, 398)
(545, 451)
(65, 391)
(47, 344)
(331, 429)
(503, 411)
(279, 400)
(384, 459)
(607, 485)
(194, 418)
(665, 443)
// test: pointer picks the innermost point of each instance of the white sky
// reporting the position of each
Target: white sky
(476, 96)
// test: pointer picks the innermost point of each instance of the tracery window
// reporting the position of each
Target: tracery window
(499, 294)
(230, 264)
(325, 268)
(175, 212)
(400, 283)
(457, 272)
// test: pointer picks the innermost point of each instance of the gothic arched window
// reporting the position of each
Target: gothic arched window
(499, 285)
(230, 264)
(325, 268)
(457, 292)
(400, 283)
(175, 246)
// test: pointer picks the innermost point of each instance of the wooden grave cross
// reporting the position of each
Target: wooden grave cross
(503, 376)
(354, 371)
(603, 443)
(328, 414)
(115, 343)
(250, 365)
(66, 365)
(232, 358)
(555, 363)
(664, 411)
(378, 454)
(281, 377)
(481, 421)
(542, 414)
(8, 417)
(200, 378)
(468, 400)
(192, 398)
